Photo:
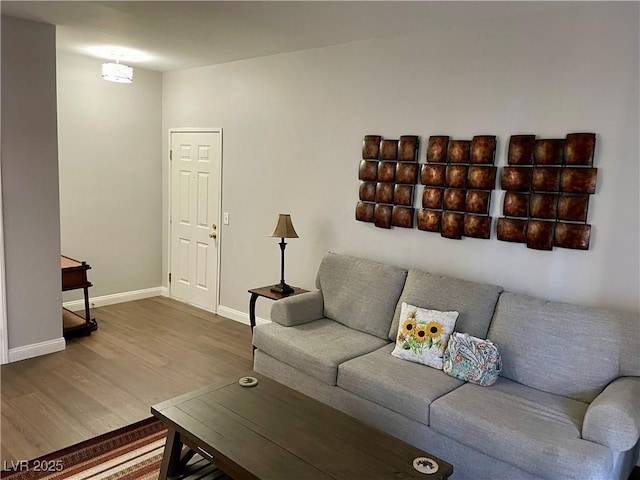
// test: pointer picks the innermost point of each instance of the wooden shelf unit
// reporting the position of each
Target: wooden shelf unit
(74, 276)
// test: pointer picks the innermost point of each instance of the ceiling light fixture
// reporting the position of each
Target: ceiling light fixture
(117, 72)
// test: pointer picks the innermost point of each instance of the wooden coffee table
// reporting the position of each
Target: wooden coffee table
(273, 432)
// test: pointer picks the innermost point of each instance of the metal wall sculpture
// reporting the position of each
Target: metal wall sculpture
(388, 174)
(548, 183)
(458, 177)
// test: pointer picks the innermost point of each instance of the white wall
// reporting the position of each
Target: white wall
(30, 187)
(293, 127)
(110, 175)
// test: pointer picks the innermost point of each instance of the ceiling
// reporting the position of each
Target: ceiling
(176, 35)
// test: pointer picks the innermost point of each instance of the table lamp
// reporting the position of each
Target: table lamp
(284, 229)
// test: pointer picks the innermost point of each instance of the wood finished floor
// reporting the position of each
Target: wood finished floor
(144, 352)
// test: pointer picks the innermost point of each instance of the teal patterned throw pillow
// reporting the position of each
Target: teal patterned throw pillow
(472, 359)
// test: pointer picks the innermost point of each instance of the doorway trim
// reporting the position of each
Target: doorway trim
(219, 212)
(4, 326)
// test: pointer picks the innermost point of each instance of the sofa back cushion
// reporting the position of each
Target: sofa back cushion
(569, 350)
(358, 293)
(475, 302)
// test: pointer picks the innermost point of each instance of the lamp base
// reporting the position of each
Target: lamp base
(282, 288)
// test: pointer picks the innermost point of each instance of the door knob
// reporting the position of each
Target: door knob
(214, 234)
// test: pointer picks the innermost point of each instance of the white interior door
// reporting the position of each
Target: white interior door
(196, 159)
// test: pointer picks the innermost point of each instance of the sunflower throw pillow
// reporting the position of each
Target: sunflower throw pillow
(423, 334)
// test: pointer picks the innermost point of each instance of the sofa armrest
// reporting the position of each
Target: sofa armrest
(613, 418)
(299, 309)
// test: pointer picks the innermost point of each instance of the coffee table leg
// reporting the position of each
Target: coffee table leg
(171, 457)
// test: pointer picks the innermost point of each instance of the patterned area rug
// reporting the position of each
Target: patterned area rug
(129, 453)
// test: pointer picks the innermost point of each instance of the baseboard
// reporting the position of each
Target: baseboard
(36, 349)
(238, 316)
(105, 300)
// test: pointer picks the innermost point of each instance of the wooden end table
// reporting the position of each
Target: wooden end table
(267, 293)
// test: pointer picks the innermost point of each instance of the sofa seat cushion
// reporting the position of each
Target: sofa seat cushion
(315, 348)
(537, 431)
(405, 387)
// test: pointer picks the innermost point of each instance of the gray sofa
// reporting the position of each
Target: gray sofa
(566, 405)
